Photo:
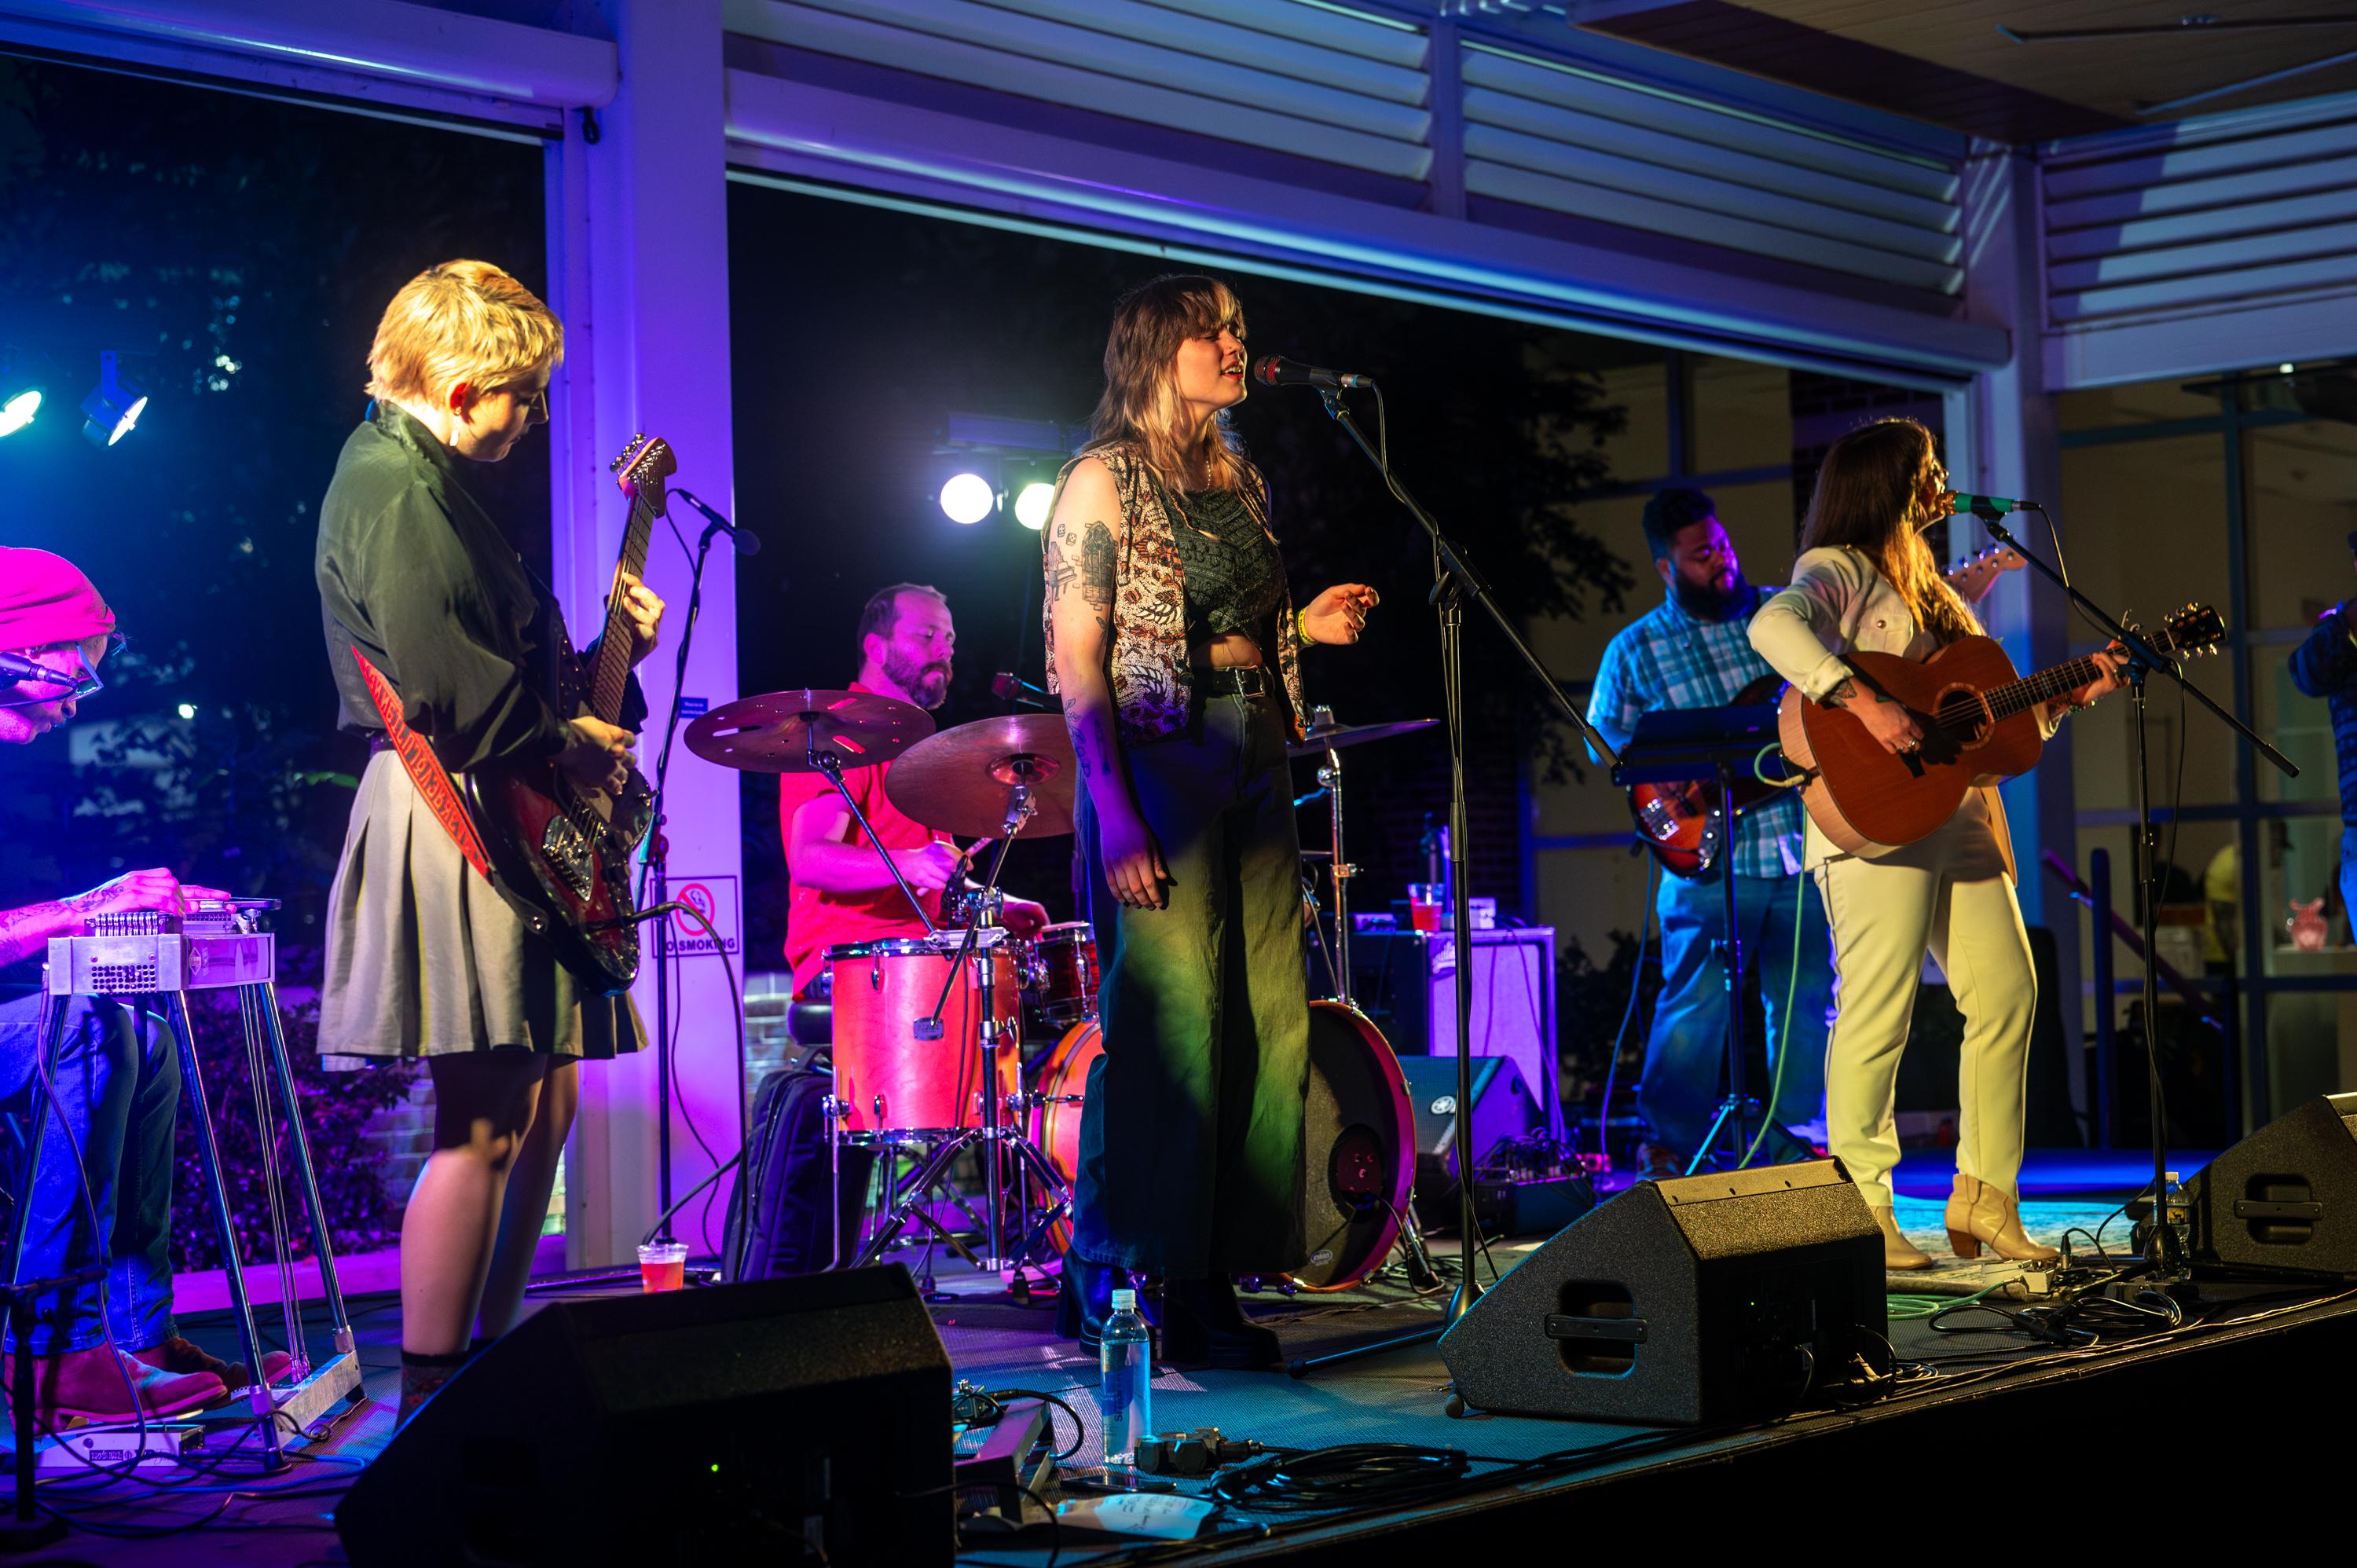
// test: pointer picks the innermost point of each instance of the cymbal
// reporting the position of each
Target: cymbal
(1320, 740)
(958, 780)
(776, 732)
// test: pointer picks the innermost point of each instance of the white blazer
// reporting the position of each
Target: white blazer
(1837, 602)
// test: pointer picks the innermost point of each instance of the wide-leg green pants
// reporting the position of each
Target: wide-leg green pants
(1190, 1134)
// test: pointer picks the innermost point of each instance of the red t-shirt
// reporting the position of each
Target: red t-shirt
(816, 921)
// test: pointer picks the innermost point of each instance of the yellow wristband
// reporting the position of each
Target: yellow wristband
(1301, 630)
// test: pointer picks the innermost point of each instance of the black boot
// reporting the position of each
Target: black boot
(1085, 1300)
(1203, 1324)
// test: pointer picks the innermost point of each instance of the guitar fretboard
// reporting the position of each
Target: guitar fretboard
(2019, 696)
(610, 683)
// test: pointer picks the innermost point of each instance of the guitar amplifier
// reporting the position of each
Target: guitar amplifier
(1406, 982)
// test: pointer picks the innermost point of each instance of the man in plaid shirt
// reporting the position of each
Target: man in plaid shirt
(1693, 652)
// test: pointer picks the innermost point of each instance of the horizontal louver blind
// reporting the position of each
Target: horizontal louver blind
(1308, 80)
(2216, 219)
(1579, 141)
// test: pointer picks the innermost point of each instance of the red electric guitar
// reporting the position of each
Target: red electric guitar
(560, 851)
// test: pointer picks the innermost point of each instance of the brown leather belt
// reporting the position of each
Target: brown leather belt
(1235, 680)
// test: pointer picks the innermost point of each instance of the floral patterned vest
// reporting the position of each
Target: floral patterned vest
(1153, 687)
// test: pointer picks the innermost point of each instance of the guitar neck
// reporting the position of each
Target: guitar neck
(610, 681)
(2017, 696)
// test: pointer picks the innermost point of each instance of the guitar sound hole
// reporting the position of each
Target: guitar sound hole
(1963, 715)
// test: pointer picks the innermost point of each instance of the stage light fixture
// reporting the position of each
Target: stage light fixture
(112, 408)
(1031, 504)
(969, 498)
(17, 409)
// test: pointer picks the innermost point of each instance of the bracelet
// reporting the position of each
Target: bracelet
(1301, 630)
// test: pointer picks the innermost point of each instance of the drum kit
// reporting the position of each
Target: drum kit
(929, 1032)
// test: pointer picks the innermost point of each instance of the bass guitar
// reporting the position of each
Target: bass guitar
(563, 852)
(1679, 821)
(1979, 721)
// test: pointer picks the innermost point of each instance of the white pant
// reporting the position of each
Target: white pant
(1948, 895)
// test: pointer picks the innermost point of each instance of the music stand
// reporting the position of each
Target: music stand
(1706, 745)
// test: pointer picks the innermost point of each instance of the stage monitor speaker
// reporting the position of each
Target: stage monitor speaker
(777, 1421)
(2283, 1202)
(1698, 1300)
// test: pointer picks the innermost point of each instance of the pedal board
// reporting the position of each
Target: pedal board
(82, 1449)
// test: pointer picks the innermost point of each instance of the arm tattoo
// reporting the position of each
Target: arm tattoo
(1061, 572)
(1096, 573)
(1842, 695)
(24, 933)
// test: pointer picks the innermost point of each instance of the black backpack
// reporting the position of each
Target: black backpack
(779, 1203)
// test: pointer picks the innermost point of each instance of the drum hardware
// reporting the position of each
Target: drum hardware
(218, 945)
(996, 779)
(1325, 739)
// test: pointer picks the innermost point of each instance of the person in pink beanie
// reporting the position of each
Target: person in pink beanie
(110, 1352)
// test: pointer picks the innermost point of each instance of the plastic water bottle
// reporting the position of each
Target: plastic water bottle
(1125, 1381)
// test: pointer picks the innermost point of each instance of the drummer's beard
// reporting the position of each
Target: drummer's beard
(927, 684)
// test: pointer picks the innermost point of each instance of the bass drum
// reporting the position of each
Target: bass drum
(1357, 1144)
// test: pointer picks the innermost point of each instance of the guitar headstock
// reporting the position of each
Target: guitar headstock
(641, 469)
(2196, 629)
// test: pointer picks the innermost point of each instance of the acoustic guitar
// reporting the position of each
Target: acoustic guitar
(1679, 821)
(560, 851)
(1979, 721)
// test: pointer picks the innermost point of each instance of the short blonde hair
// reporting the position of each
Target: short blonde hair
(461, 322)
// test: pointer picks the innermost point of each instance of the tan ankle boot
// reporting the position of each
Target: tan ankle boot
(1898, 1252)
(1981, 1215)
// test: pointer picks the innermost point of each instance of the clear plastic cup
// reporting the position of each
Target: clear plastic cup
(1428, 907)
(663, 1265)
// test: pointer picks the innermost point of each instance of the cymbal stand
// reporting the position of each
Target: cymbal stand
(829, 764)
(1330, 774)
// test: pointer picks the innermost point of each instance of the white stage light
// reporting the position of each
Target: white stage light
(968, 497)
(1031, 504)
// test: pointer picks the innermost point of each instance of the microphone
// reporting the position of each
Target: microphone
(15, 667)
(1277, 371)
(1987, 506)
(747, 542)
(1008, 687)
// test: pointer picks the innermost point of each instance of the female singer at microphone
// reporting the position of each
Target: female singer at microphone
(1167, 604)
(1866, 580)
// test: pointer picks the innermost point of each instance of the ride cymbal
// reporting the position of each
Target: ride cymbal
(1322, 738)
(786, 732)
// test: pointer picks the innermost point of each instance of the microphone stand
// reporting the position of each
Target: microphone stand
(1453, 583)
(2165, 1254)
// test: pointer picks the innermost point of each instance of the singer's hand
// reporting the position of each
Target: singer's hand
(645, 612)
(1340, 614)
(1133, 865)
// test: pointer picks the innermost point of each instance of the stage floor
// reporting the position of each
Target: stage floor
(1397, 1398)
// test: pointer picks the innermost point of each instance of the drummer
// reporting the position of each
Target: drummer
(840, 889)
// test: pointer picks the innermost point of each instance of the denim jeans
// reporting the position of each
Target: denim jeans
(1191, 1128)
(2348, 881)
(118, 1090)
(1679, 1094)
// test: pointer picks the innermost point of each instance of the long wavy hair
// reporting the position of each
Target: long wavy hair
(1865, 500)
(1141, 408)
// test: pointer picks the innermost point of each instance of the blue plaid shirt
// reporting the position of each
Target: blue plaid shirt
(1667, 659)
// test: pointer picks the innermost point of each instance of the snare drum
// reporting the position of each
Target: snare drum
(1064, 972)
(889, 1079)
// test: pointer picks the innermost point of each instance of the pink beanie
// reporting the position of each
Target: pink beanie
(45, 599)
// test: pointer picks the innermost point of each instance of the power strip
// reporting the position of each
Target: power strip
(84, 1448)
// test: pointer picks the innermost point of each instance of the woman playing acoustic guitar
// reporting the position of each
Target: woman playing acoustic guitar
(1866, 582)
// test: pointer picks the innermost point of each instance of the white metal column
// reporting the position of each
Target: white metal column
(639, 258)
(2002, 440)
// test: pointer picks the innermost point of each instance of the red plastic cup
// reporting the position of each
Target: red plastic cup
(663, 1265)
(1426, 912)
